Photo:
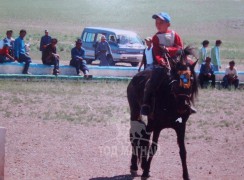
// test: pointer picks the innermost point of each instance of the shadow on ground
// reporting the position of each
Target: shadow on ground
(120, 177)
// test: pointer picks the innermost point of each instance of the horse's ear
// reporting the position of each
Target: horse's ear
(194, 64)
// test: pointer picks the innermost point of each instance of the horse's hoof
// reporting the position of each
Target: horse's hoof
(144, 178)
(186, 178)
(145, 175)
(133, 173)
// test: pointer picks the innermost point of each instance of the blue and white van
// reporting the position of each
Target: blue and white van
(126, 46)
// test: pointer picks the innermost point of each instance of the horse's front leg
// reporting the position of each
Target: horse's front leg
(144, 148)
(134, 157)
(134, 161)
(180, 131)
(152, 151)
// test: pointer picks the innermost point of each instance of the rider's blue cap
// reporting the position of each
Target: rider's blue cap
(164, 16)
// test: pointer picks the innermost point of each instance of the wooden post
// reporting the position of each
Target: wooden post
(2, 151)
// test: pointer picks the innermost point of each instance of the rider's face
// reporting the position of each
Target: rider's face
(161, 25)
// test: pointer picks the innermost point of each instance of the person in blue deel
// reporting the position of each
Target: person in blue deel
(20, 53)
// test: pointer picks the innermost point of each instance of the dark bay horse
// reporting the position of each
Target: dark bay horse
(171, 109)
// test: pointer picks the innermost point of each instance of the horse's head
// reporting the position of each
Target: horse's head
(184, 82)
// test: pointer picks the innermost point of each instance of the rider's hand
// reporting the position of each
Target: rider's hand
(163, 63)
(164, 49)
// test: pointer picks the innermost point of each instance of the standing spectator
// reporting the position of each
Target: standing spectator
(10, 41)
(215, 55)
(203, 53)
(4, 54)
(20, 51)
(50, 56)
(103, 50)
(231, 76)
(147, 59)
(45, 40)
(207, 73)
(78, 61)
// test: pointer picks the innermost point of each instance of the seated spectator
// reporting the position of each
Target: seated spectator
(4, 54)
(231, 76)
(20, 51)
(207, 73)
(9, 40)
(50, 56)
(78, 61)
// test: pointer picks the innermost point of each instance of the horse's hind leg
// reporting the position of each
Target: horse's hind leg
(180, 131)
(134, 116)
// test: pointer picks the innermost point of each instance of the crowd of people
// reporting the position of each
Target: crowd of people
(16, 50)
(209, 60)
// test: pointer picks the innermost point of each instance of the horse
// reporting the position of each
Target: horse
(171, 103)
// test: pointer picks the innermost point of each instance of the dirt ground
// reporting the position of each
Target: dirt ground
(39, 147)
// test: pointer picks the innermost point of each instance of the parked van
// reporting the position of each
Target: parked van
(126, 46)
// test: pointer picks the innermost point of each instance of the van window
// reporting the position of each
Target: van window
(84, 37)
(128, 39)
(88, 37)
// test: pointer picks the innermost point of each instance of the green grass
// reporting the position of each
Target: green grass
(194, 20)
(91, 103)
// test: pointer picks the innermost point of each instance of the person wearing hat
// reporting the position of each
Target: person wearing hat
(50, 56)
(78, 61)
(5, 55)
(166, 42)
(20, 53)
(45, 40)
(207, 73)
(103, 51)
(215, 55)
(10, 41)
(148, 57)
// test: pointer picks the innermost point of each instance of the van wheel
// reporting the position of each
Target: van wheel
(134, 64)
(88, 61)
